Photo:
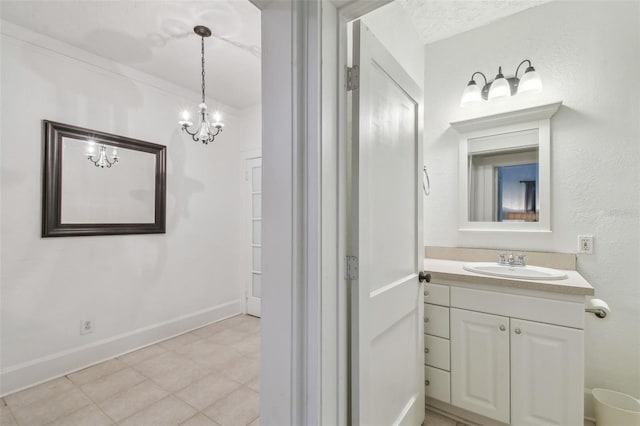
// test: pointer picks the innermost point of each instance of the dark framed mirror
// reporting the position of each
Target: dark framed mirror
(96, 183)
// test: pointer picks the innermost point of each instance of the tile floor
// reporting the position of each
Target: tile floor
(208, 377)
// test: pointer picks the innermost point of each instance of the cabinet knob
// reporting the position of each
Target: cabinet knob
(426, 319)
(517, 331)
(426, 293)
(426, 350)
(502, 328)
(426, 383)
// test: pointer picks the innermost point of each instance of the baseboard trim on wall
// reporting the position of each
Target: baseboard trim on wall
(20, 376)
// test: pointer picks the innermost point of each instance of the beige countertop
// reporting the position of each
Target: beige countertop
(442, 269)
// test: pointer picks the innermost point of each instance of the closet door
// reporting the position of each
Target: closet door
(254, 185)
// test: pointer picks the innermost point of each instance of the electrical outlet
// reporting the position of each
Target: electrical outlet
(86, 326)
(585, 244)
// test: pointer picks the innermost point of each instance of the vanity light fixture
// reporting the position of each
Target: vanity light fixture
(208, 127)
(502, 86)
(103, 160)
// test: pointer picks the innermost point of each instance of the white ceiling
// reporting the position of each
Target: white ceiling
(438, 19)
(157, 37)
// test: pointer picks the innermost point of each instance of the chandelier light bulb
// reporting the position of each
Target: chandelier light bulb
(217, 118)
(185, 115)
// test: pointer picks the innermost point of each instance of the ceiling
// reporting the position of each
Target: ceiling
(438, 19)
(157, 37)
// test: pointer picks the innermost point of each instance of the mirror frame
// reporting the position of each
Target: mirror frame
(52, 183)
(506, 116)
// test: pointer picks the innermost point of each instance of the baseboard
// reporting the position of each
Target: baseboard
(33, 372)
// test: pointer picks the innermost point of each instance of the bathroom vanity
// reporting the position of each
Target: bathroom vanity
(502, 350)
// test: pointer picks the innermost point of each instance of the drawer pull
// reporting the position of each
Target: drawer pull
(426, 350)
(502, 328)
(426, 319)
(517, 331)
(426, 383)
(426, 293)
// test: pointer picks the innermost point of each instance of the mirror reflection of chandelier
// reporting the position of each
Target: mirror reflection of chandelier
(208, 127)
(102, 160)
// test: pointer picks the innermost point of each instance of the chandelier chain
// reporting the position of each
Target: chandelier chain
(202, 50)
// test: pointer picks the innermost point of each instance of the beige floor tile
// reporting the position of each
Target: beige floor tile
(245, 323)
(97, 371)
(209, 330)
(87, 416)
(250, 345)
(169, 411)
(36, 393)
(112, 384)
(133, 400)
(243, 369)
(6, 418)
(435, 419)
(229, 337)
(172, 371)
(200, 348)
(142, 354)
(179, 341)
(255, 384)
(50, 409)
(238, 409)
(205, 392)
(199, 420)
(217, 360)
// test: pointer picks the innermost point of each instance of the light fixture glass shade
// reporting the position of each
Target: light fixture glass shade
(471, 94)
(499, 88)
(530, 82)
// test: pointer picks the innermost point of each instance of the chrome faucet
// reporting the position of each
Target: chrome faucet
(511, 260)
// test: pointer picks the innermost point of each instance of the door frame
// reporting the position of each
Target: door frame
(304, 299)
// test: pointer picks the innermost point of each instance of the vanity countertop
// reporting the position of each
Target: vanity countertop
(574, 284)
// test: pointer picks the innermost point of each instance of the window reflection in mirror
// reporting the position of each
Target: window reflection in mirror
(504, 178)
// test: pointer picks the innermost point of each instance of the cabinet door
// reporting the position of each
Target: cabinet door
(547, 374)
(480, 363)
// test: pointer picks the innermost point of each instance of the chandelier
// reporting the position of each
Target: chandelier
(208, 127)
(102, 160)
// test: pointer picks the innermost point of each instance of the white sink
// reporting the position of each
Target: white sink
(519, 272)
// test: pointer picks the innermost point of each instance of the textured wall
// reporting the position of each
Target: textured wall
(587, 54)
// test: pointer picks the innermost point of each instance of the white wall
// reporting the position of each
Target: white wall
(392, 26)
(587, 54)
(136, 288)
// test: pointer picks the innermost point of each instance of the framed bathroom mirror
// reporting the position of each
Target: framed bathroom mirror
(504, 169)
(95, 183)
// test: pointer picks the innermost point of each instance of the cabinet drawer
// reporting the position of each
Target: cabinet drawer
(437, 384)
(436, 352)
(436, 320)
(437, 294)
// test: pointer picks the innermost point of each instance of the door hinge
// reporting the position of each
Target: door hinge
(352, 268)
(353, 77)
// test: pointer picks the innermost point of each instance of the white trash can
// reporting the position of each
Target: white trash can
(615, 408)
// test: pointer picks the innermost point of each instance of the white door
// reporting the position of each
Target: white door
(547, 374)
(480, 363)
(254, 283)
(386, 237)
